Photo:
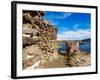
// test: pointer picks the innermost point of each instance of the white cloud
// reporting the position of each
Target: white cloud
(74, 35)
(76, 26)
(65, 15)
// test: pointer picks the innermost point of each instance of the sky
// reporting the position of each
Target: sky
(70, 26)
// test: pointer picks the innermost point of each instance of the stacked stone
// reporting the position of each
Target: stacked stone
(38, 38)
(73, 46)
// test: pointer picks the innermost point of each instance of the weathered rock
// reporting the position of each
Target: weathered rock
(72, 47)
(37, 20)
(45, 22)
(27, 18)
(35, 27)
(41, 13)
(31, 54)
(30, 61)
(32, 13)
(32, 32)
(37, 31)
(29, 40)
(79, 60)
(27, 25)
(26, 35)
(32, 50)
(27, 31)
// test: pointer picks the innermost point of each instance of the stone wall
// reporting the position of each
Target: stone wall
(38, 38)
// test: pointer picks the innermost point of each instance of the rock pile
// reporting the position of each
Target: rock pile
(78, 59)
(38, 38)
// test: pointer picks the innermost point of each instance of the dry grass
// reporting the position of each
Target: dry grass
(74, 60)
(55, 63)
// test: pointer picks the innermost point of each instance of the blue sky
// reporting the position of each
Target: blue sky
(71, 26)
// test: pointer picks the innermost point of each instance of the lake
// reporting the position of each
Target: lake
(84, 47)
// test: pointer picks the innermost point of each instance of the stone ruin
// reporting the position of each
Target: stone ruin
(38, 38)
(73, 46)
(40, 42)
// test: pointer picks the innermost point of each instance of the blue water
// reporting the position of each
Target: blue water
(63, 47)
(85, 47)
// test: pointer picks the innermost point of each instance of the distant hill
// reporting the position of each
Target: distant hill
(86, 40)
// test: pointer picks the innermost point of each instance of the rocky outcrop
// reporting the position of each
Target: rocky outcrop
(78, 59)
(38, 38)
(72, 46)
(74, 57)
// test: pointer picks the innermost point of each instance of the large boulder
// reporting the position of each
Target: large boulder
(27, 18)
(27, 25)
(31, 61)
(30, 40)
(32, 50)
(32, 32)
(27, 31)
(31, 54)
(37, 19)
(27, 40)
